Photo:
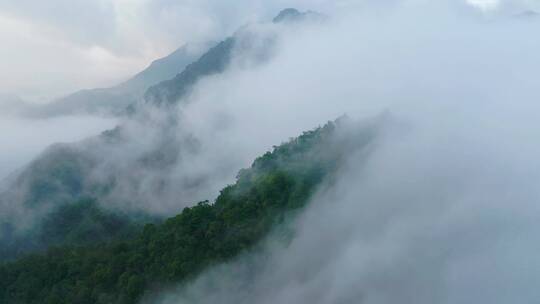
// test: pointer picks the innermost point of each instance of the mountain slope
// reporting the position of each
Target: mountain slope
(114, 100)
(215, 61)
(212, 62)
(78, 223)
(294, 15)
(51, 199)
(276, 184)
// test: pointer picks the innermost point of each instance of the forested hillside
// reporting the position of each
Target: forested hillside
(82, 222)
(209, 233)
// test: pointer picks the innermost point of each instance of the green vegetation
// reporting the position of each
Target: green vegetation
(182, 246)
(83, 222)
(212, 62)
(56, 177)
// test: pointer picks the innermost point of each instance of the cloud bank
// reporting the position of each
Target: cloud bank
(443, 209)
(451, 78)
(23, 139)
(286, 79)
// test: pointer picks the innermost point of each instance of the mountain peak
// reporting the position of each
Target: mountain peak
(292, 15)
(287, 14)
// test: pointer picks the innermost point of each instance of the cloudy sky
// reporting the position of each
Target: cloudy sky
(50, 48)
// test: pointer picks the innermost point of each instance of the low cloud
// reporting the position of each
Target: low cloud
(443, 209)
(24, 139)
(434, 213)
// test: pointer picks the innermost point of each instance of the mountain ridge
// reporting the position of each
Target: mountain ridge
(264, 195)
(113, 101)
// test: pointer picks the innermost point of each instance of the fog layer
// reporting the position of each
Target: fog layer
(22, 139)
(444, 208)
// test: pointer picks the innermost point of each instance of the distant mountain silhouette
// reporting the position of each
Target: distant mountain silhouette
(115, 100)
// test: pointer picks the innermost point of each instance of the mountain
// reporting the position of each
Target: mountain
(294, 15)
(164, 82)
(101, 167)
(115, 100)
(83, 222)
(212, 62)
(215, 61)
(264, 197)
(164, 68)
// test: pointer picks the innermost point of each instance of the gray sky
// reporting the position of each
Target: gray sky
(50, 48)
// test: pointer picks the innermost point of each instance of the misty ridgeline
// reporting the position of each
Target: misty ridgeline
(347, 156)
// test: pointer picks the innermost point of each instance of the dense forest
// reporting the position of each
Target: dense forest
(123, 270)
(82, 222)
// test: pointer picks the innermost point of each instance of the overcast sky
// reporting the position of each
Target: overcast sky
(50, 48)
(53, 47)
